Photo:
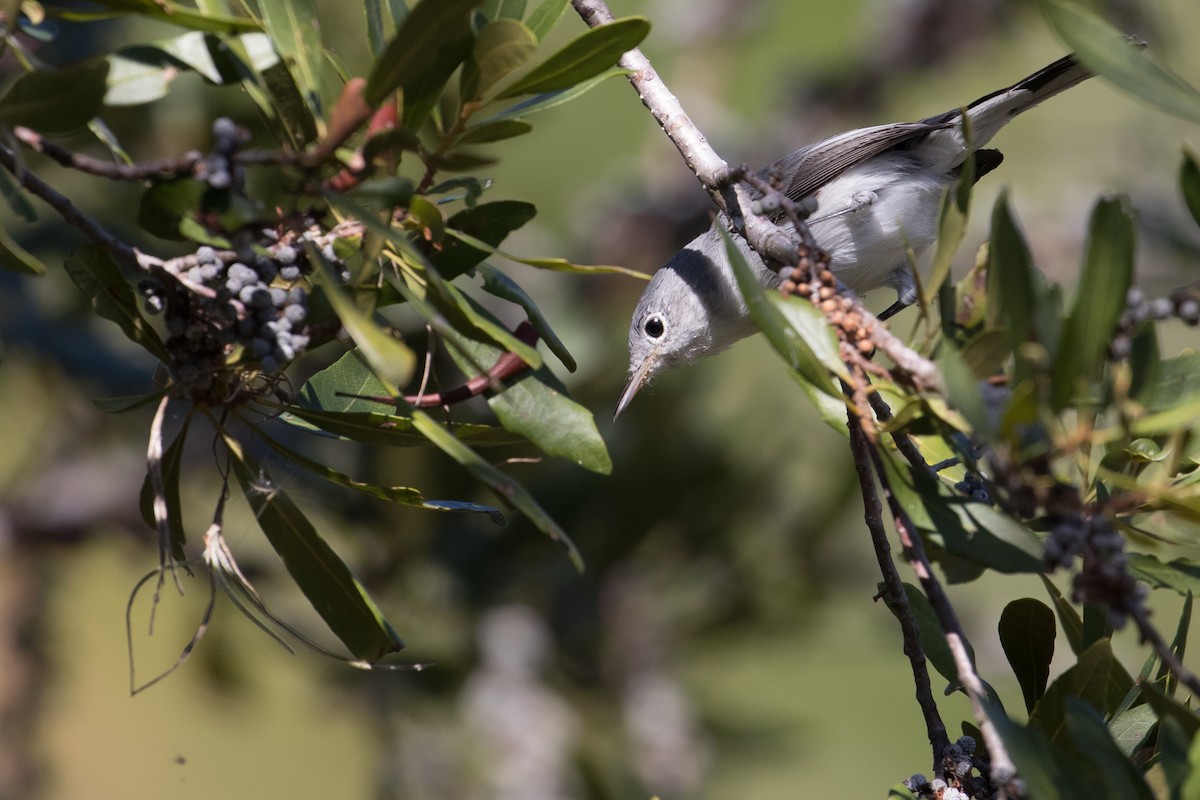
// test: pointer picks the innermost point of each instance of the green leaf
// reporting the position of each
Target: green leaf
(788, 342)
(16, 198)
(172, 461)
(952, 226)
(504, 487)
(1170, 708)
(15, 258)
(812, 327)
(1100, 301)
(429, 35)
(1172, 754)
(544, 16)
(1010, 277)
(162, 11)
(404, 495)
(55, 101)
(1088, 735)
(1181, 575)
(1132, 727)
(490, 223)
(98, 276)
(1189, 184)
(500, 285)
(317, 570)
(547, 100)
(1178, 645)
(1097, 679)
(377, 427)
(373, 12)
(967, 529)
(962, 389)
(164, 205)
(588, 55)
(117, 405)
(1048, 771)
(471, 319)
(501, 47)
(286, 105)
(293, 27)
(1027, 634)
(1108, 52)
(501, 9)
(495, 131)
(389, 358)
(329, 389)
(1067, 616)
(537, 407)
(1191, 782)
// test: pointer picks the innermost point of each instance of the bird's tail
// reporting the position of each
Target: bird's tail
(992, 112)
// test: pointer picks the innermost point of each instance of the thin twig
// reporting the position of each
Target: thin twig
(893, 589)
(1002, 768)
(1150, 634)
(66, 209)
(158, 169)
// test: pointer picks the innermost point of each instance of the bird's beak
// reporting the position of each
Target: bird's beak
(636, 382)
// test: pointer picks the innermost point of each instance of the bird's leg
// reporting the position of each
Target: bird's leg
(859, 201)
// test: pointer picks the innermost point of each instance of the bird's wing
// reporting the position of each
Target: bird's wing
(813, 166)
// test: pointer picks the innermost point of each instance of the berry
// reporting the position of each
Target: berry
(285, 254)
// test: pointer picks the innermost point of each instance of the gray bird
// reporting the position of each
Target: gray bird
(877, 190)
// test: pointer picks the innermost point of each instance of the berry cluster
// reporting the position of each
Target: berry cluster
(824, 292)
(1184, 304)
(958, 761)
(1075, 530)
(227, 311)
(219, 169)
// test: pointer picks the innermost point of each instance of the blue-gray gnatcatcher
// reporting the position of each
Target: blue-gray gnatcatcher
(877, 190)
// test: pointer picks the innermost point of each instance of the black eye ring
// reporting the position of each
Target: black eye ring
(654, 327)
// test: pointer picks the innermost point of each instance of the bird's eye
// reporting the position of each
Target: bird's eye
(654, 327)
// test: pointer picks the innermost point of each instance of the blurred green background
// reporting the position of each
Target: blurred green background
(723, 641)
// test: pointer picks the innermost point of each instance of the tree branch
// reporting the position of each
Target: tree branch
(1002, 769)
(893, 589)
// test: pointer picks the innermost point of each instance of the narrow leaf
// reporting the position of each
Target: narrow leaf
(15, 258)
(292, 26)
(422, 37)
(1090, 736)
(501, 47)
(1099, 302)
(586, 56)
(1067, 616)
(500, 285)
(389, 358)
(537, 407)
(317, 570)
(98, 276)
(1010, 278)
(784, 338)
(1109, 53)
(1189, 183)
(544, 16)
(504, 487)
(54, 101)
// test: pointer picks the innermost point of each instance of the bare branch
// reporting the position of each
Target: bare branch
(893, 589)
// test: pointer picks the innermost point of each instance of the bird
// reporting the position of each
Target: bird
(877, 192)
